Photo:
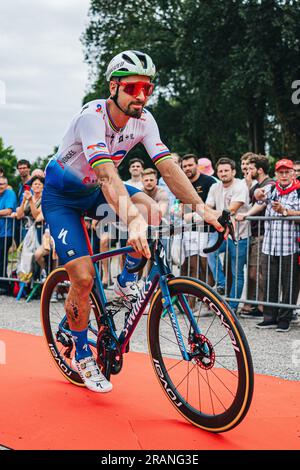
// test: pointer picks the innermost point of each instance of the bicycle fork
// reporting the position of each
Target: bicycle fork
(184, 308)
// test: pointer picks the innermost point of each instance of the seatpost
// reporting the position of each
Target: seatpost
(87, 238)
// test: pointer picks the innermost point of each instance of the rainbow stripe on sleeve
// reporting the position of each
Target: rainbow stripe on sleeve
(99, 158)
(161, 157)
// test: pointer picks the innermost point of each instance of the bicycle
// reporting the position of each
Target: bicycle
(198, 350)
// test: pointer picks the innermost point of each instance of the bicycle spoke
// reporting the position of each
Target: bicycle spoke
(175, 365)
(185, 376)
(221, 381)
(210, 392)
(228, 370)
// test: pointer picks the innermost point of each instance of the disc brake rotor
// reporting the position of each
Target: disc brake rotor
(202, 352)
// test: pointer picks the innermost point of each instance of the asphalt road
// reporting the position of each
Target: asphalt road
(273, 353)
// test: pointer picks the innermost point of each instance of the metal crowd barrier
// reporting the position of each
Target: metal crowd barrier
(10, 252)
(108, 236)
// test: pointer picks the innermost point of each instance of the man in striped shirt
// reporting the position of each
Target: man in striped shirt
(280, 246)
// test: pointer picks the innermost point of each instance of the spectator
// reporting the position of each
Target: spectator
(280, 246)
(7, 206)
(206, 168)
(195, 241)
(37, 172)
(244, 162)
(163, 185)
(258, 167)
(136, 167)
(250, 182)
(231, 194)
(297, 168)
(2, 173)
(23, 167)
(158, 194)
(31, 208)
(31, 203)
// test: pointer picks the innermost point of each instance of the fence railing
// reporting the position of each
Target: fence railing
(242, 273)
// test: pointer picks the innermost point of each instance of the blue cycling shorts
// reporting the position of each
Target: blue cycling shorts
(63, 212)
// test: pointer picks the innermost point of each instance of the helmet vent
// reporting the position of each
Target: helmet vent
(128, 59)
(143, 60)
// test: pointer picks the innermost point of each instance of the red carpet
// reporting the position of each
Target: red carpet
(40, 410)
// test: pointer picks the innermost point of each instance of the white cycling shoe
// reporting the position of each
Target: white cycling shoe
(91, 375)
(130, 292)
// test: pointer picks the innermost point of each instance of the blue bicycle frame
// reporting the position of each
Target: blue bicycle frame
(159, 274)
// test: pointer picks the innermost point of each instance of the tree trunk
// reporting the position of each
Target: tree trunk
(256, 119)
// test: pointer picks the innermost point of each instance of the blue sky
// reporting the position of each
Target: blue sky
(41, 70)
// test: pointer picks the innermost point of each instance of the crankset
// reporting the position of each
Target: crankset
(109, 354)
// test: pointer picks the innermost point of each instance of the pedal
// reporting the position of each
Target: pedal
(64, 339)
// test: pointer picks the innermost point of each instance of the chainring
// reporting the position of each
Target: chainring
(109, 354)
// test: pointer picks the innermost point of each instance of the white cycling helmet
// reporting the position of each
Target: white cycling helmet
(130, 63)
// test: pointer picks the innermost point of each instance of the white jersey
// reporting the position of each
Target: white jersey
(93, 139)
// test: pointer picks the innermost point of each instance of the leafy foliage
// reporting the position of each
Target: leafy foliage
(8, 161)
(225, 69)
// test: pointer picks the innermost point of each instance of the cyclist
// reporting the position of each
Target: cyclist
(82, 177)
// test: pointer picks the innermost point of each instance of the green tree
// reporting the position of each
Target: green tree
(225, 69)
(8, 161)
(41, 162)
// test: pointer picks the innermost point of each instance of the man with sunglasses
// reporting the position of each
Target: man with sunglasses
(82, 178)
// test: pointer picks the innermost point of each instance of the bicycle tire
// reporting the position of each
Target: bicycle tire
(200, 407)
(55, 279)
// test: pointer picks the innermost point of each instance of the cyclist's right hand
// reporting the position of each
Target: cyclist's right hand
(137, 236)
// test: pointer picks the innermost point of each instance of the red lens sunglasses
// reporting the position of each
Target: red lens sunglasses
(135, 88)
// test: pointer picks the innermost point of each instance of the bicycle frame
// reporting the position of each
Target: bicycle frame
(158, 275)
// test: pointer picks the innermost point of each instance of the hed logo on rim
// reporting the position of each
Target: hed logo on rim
(2, 353)
(2, 93)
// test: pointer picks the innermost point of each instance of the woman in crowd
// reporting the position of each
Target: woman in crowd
(31, 208)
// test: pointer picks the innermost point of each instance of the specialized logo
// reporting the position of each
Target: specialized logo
(62, 236)
(115, 67)
(136, 307)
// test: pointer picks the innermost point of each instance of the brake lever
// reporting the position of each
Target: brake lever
(231, 232)
(225, 221)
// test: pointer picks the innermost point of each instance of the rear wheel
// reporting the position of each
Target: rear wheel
(213, 387)
(55, 324)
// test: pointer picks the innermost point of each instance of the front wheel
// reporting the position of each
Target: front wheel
(212, 386)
